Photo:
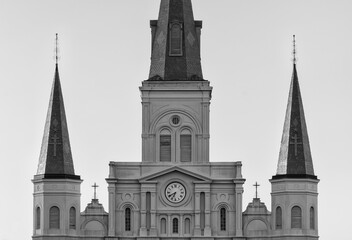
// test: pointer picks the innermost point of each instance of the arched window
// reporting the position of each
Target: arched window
(186, 146)
(127, 219)
(312, 218)
(187, 226)
(37, 220)
(296, 217)
(175, 39)
(222, 219)
(165, 146)
(54, 218)
(175, 225)
(278, 218)
(72, 218)
(163, 226)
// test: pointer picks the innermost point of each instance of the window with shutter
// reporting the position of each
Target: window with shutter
(148, 207)
(165, 148)
(54, 218)
(312, 218)
(72, 218)
(175, 225)
(175, 39)
(202, 211)
(296, 217)
(278, 217)
(186, 148)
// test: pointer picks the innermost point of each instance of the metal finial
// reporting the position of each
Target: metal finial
(57, 48)
(294, 52)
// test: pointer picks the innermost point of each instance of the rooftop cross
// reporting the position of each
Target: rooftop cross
(95, 190)
(57, 49)
(256, 185)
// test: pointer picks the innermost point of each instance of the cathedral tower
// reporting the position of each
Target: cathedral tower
(56, 203)
(294, 187)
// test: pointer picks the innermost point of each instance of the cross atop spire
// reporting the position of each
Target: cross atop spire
(294, 51)
(57, 49)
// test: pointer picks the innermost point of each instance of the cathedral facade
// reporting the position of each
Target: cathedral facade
(175, 192)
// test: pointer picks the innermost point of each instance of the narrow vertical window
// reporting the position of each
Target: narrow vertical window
(222, 219)
(175, 225)
(175, 39)
(202, 211)
(148, 206)
(312, 218)
(163, 226)
(127, 219)
(72, 218)
(187, 226)
(296, 217)
(278, 218)
(37, 220)
(165, 146)
(54, 218)
(186, 146)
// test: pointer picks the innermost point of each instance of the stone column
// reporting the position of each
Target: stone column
(239, 192)
(143, 230)
(112, 210)
(207, 229)
(169, 225)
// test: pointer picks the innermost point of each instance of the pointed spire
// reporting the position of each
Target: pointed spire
(175, 43)
(295, 160)
(55, 159)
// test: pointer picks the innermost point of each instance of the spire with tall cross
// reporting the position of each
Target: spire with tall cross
(295, 160)
(55, 159)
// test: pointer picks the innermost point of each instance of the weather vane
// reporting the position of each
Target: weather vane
(294, 52)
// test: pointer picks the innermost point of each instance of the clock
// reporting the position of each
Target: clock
(175, 192)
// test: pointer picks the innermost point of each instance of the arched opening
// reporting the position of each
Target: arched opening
(37, 219)
(175, 225)
(72, 218)
(296, 217)
(128, 219)
(223, 219)
(278, 218)
(186, 146)
(165, 146)
(187, 226)
(312, 218)
(163, 226)
(54, 218)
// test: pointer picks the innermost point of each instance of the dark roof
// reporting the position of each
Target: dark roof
(295, 160)
(185, 66)
(55, 159)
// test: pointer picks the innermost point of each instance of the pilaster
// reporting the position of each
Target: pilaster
(238, 204)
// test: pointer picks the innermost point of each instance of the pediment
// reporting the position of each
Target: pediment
(196, 176)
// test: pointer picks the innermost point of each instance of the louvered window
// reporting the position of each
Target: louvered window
(175, 225)
(127, 219)
(223, 219)
(186, 148)
(54, 217)
(278, 217)
(72, 218)
(296, 217)
(175, 39)
(165, 148)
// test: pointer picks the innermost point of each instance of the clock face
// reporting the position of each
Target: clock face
(175, 192)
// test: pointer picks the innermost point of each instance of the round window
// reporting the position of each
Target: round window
(175, 120)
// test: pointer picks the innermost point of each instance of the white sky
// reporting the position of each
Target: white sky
(105, 54)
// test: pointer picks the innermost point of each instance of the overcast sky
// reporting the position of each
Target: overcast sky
(246, 55)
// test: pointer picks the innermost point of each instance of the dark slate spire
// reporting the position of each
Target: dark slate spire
(295, 160)
(175, 43)
(55, 159)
